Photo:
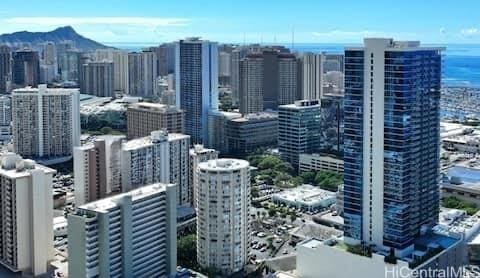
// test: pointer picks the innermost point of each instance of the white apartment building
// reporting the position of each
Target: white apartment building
(97, 169)
(160, 157)
(223, 205)
(199, 154)
(46, 123)
(312, 80)
(26, 213)
(133, 234)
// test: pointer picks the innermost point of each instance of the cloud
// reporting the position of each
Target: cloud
(131, 21)
(470, 31)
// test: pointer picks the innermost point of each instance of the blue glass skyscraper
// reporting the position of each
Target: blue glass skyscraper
(391, 142)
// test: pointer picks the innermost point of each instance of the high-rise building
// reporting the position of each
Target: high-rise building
(268, 75)
(223, 214)
(133, 234)
(5, 69)
(45, 123)
(25, 68)
(49, 54)
(98, 79)
(298, 129)
(280, 77)
(160, 157)
(97, 168)
(196, 86)
(332, 125)
(145, 117)
(68, 64)
(391, 177)
(179, 148)
(142, 74)
(26, 211)
(251, 84)
(237, 55)
(224, 68)
(312, 76)
(5, 118)
(165, 58)
(145, 161)
(287, 79)
(120, 66)
(333, 62)
(199, 154)
(83, 59)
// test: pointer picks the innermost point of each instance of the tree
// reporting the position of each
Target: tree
(269, 162)
(187, 251)
(284, 167)
(456, 203)
(272, 212)
(328, 180)
(308, 177)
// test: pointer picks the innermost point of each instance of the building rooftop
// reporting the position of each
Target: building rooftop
(224, 164)
(200, 149)
(42, 88)
(159, 135)
(301, 104)
(155, 107)
(97, 105)
(391, 45)
(14, 166)
(306, 193)
(456, 223)
(256, 116)
(462, 176)
(104, 205)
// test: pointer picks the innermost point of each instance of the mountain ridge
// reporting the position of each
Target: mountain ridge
(35, 39)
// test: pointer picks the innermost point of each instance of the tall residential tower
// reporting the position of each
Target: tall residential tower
(196, 86)
(391, 144)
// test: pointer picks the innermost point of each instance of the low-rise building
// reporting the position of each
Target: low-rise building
(433, 254)
(319, 162)
(305, 197)
(462, 182)
(245, 134)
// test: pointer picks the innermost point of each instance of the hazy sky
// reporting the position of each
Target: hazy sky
(332, 21)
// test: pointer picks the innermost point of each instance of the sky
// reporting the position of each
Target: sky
(264, 21)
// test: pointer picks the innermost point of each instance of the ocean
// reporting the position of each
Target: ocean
(461, 65)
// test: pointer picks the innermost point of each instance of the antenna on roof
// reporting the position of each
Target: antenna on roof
(293, 37)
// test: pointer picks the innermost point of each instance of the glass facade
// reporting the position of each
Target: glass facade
(412, 80)
(331, 125)
(353, 144)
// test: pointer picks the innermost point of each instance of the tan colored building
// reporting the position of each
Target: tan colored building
(144, 117)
